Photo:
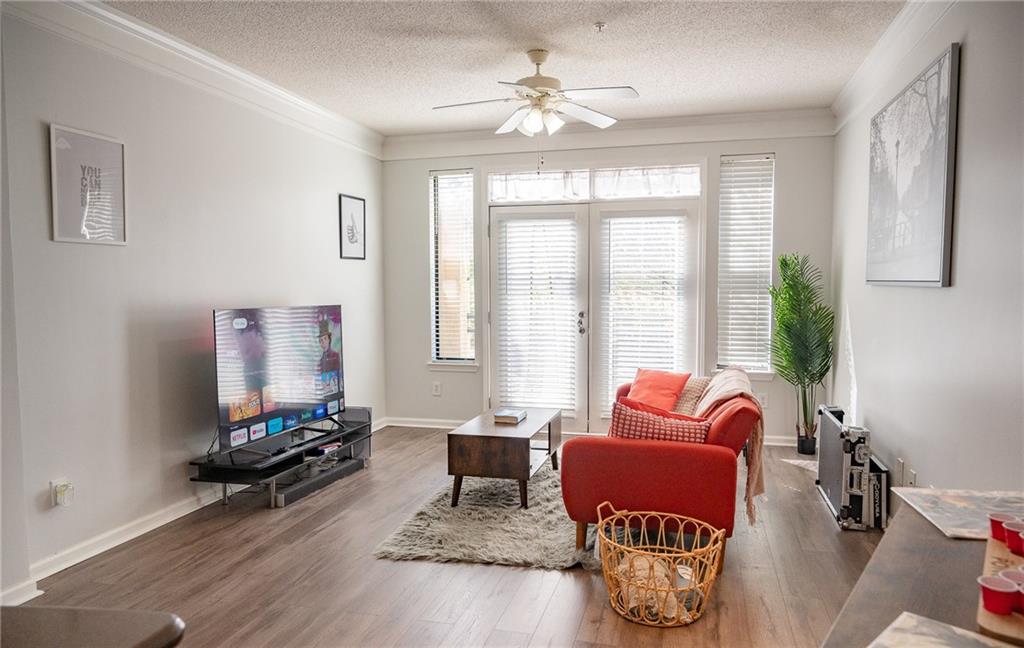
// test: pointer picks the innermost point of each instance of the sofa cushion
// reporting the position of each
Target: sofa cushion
(641, 423)
(657, 388)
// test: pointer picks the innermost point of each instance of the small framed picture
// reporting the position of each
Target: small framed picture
(86, 187)
(352, 226)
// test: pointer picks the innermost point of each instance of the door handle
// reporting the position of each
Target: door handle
(579, 324)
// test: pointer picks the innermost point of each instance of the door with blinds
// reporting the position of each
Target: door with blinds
(538, 316)
(582, 295)
(645, 294)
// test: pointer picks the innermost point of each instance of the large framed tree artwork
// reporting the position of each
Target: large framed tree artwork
(910, 195)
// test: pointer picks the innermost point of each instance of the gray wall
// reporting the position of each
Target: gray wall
(936, 373)
(226, 207)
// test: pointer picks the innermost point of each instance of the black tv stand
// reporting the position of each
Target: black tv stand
(292, 464)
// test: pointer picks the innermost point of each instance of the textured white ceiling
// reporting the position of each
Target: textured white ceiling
(385, 64)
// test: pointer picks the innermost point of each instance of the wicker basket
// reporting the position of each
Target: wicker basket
(659, 568)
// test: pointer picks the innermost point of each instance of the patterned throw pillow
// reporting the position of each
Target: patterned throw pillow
(692, 393)
(629, 423)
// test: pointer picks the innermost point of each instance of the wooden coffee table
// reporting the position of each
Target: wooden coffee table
(483, 448)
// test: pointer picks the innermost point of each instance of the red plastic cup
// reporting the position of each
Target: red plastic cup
(998, 595)
(996, 521)
(1017, 577)
(1014, 540)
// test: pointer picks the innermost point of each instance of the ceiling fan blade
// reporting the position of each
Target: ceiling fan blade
(604, 92)
(520, 87)
(585, 114)
(514, 120)
(477, 103)
(523, 130)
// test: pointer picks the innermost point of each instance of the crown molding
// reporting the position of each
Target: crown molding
(903, 34)
(812, 122)
(97, 25)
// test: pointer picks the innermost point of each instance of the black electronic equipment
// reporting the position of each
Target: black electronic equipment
(278, 369)
(853, 482)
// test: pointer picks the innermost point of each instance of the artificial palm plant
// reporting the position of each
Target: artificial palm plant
(802, 338)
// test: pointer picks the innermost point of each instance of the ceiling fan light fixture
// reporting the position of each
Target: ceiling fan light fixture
(543, 101)
(534, 122)
(552, 122)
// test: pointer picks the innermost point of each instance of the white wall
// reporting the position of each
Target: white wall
(936, 373)
(226, 206)
(802, 224)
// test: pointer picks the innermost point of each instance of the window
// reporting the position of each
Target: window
(452, 304)
(746, 206)
(539, 186)
(647, 182)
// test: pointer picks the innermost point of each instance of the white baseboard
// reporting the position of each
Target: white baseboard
(782, 441)
(104, 541)
(400, 421)
(24, 591)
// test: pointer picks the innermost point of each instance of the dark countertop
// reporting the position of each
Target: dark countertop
(915, 568)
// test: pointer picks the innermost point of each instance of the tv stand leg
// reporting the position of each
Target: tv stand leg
(273, 493)
(224, 494)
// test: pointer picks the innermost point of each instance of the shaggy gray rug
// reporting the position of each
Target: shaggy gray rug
(488, 526)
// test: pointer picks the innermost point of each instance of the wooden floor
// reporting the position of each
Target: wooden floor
(245, 575)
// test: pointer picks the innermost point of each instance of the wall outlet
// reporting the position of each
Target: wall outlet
(62, 492)
(911, 478)
(435, 388)
(762, 398)
(900, 472)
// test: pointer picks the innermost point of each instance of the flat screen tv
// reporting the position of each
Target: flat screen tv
(277, 369)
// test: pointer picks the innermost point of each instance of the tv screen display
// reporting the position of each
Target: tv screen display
(277, 369)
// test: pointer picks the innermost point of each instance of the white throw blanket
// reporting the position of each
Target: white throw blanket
(730, 383)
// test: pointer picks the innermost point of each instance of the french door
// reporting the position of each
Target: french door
(582, 295)
(538, 316)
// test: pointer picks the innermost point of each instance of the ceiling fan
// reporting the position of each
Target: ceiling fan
(544, 102)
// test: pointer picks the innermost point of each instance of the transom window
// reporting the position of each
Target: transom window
(539, 186)
(647, 182)
(584, 185)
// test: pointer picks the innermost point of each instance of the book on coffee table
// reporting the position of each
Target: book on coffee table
(509, 416)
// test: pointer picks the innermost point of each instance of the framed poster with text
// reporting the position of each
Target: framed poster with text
(87, 187)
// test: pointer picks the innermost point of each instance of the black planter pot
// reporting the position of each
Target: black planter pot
(806, 445)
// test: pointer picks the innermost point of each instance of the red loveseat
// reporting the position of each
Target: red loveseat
(691, 479)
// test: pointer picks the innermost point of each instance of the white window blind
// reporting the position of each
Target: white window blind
(644, 302)
(539, 186)
(453, 312)
(536, 312)
(647, 182)
(746, 206)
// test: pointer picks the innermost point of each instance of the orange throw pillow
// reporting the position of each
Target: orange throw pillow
(657, 388)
